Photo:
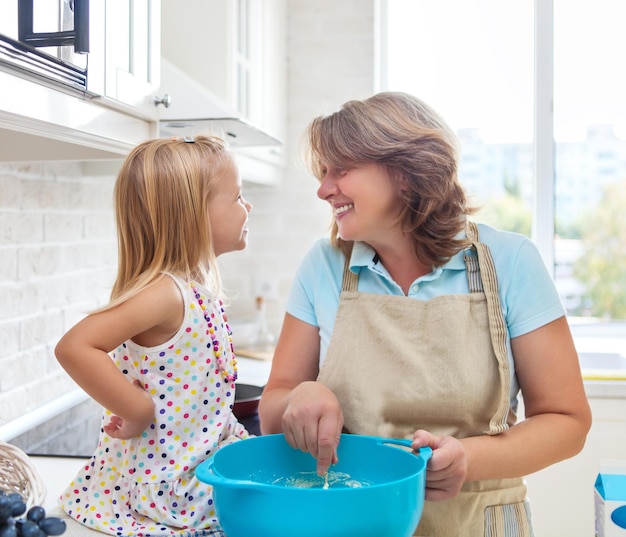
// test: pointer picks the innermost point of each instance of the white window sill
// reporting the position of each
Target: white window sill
(605, 389)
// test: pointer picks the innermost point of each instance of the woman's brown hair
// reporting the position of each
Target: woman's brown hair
(418, 149)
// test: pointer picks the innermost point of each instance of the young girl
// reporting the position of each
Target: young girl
(168, 385)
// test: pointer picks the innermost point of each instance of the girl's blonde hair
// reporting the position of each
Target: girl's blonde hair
(420, 152)
(161, 198)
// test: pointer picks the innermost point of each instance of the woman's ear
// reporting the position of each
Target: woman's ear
(402, 181)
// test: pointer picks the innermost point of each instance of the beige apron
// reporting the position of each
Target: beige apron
(398, 364)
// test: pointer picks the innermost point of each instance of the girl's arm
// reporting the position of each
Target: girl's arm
(557, 420)
(150, 317)
(294, 403)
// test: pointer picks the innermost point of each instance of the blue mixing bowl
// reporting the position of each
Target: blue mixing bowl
(382, 493)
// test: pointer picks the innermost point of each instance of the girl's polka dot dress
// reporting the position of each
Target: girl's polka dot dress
(146, 486)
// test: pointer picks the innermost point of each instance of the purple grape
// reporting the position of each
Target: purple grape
(36, 514)
(8, 529)
(18, 508)
(29, 529)
(35, 524)
(16, 504)
(52, 525)
(6, 507)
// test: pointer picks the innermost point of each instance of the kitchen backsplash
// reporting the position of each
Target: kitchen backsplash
(58, 255)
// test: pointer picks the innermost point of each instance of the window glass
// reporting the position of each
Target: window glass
(473, 61)
(590, 161)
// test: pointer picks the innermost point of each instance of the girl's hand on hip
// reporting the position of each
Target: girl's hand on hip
(125, 428)
(447, 469)
(313, 421)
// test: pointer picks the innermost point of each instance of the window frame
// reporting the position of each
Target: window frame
(543, 225)
(543, 229)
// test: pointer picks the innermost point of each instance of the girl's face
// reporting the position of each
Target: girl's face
(228, 214)
(365, 202)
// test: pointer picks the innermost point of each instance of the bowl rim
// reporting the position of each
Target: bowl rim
(419, 473)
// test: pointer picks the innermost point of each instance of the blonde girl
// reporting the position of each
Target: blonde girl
(159, 356)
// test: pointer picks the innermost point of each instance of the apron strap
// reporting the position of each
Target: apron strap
(497, 325)
(350, 280)
(474, 281)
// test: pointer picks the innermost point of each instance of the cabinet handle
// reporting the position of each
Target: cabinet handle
(166, 100)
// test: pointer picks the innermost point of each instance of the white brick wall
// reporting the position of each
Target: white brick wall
(57, 251)
(57, 236)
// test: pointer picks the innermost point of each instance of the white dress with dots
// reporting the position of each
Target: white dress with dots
(146, 486)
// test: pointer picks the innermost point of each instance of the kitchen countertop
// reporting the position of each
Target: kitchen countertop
(253, 371)
(56, 472)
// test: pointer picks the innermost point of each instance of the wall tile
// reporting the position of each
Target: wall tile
(58, 256)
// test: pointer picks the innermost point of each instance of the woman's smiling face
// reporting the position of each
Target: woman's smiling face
(364, 198)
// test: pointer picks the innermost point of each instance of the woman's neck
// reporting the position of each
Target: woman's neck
(402, 263)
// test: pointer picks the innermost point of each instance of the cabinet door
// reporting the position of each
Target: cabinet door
(199, 40)
(236, 49)
(271, 112)
(132, 53)
(246, 91)
(260, 73)
(258, 77)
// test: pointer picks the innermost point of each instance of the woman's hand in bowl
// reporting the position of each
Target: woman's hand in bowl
(313, 421)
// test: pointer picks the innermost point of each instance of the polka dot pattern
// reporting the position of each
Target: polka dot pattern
(146, 486)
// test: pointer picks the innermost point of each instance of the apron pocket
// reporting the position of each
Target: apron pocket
(508, 520)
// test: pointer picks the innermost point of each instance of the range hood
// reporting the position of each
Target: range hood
(193, 110)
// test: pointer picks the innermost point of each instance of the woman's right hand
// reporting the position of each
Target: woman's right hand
(313, 421)
(447, 469)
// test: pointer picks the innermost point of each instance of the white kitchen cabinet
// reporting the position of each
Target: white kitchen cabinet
(132, 53)
(268, 85)
(46, 118)
(52, 125)
(124, 44)
(237, 51)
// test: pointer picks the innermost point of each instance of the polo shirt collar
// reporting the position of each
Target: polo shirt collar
(364, 256)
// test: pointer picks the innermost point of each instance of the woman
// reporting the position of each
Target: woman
(412, 321)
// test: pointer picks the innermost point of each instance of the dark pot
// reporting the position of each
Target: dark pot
(247, 399)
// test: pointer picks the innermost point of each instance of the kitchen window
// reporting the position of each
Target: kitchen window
(535, 95)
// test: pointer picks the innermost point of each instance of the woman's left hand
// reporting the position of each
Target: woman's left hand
(447, 469)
